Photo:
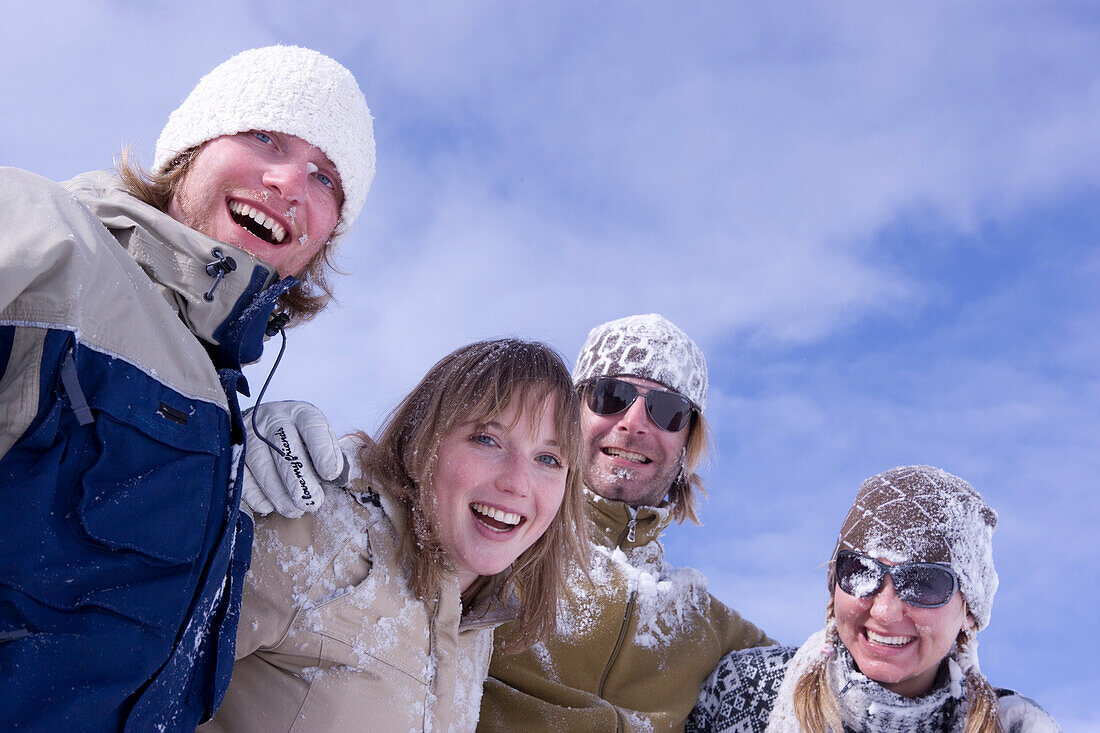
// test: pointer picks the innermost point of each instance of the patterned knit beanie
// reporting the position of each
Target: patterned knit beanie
(924, 514)
(649, 347)
(287, 89)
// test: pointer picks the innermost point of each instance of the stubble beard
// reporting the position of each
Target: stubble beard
(197, 211)
(622, 484)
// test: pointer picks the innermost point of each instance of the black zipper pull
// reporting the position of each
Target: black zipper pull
(218, 269)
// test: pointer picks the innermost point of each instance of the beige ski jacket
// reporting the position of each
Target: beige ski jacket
(332, 638)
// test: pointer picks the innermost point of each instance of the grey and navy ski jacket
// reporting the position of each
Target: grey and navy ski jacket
(122, 547)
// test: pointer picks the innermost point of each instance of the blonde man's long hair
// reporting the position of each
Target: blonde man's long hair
(687, 490)
(157, 189)
(477, 383)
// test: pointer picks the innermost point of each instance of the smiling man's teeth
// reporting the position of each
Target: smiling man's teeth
(888, 640)
(278, 233)
(497, 514)
(626, 455)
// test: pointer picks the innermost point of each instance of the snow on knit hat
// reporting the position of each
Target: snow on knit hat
(287, 89)
(924, 514)
(650, 347)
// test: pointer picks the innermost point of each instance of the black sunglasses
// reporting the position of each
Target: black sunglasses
(920, 584)
(668, 410)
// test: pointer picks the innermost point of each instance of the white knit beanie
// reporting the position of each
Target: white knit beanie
(649, 347)
(287, 89)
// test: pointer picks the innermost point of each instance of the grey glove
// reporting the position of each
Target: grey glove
(291, 480)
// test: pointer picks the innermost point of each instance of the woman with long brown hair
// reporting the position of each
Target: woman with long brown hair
(377, 612)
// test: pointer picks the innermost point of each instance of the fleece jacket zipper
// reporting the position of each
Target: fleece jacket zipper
(626, 534)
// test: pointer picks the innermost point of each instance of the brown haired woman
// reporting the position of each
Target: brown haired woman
(377, 612)
(911, 582)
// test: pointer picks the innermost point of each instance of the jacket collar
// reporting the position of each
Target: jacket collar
(229, 313)
(614, 521)
(486, 611)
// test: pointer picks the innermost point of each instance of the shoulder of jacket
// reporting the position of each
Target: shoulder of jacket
(321, 535)
(26, 180)
(96, 184)
(763, 656)
(21, 188)
(1018, 714)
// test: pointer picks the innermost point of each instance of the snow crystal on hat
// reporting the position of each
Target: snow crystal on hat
(287, 89)
(924, 514)
(649, 347)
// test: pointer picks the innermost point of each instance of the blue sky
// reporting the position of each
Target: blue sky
(879, 221)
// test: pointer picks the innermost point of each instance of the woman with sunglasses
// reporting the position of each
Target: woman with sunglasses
(911, 582)
(377, 612)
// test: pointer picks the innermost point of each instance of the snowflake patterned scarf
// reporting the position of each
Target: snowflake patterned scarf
(865, 705)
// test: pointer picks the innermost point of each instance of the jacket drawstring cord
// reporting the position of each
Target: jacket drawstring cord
(274, 326)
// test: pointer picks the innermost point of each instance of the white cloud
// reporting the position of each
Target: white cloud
(759, 166)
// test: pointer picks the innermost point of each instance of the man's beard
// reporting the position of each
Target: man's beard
(196, 212)
(621, 484)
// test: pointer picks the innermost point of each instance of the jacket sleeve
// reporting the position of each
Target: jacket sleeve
(45, 246)
(741, 691)
(530, 701)
(736, 632)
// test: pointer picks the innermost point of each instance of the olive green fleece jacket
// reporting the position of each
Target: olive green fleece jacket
(633, 646)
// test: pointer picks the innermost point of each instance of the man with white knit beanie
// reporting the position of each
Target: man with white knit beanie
(289, 130)
(636, 636)
(128, 306)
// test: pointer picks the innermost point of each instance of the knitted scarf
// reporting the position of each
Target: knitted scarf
(866, 705)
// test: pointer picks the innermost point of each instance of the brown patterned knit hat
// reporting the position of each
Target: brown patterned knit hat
(924, 514)
(649, 347)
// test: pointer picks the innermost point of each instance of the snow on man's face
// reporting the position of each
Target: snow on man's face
(626, 456)
(497, 487)
(895, 644)
(273, 195)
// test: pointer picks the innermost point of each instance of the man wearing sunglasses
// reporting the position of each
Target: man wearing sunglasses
(636, 637)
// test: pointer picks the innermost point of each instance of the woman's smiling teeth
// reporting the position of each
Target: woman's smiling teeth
(888, 640)
(498, 520)
(247, 216)
(625, 455)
